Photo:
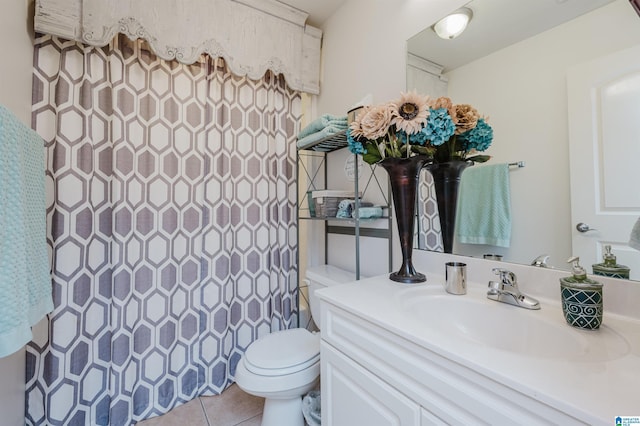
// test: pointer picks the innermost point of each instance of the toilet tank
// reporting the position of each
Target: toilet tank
(319, 277)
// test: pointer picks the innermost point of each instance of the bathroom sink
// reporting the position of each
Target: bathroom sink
(541, 334)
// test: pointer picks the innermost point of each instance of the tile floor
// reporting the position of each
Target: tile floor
(233, 407)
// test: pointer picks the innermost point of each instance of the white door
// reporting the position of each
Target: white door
(351, 395)
(604, 141)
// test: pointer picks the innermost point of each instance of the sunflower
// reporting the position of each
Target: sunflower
(410, 112)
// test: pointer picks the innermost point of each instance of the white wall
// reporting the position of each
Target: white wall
(17, 58)
(523, 90)
(364, 52)
(364, 48)
(15, 94)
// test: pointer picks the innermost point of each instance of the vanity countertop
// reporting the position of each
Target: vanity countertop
(592, 375)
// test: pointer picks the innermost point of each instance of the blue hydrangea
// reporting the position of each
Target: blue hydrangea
(480, 137)
(439, 127)
(418, 138)
(354, 146)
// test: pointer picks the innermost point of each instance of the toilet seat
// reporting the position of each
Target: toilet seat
(283, 352)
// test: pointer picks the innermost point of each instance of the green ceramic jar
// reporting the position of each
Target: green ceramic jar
(609, 267)
(582, 299)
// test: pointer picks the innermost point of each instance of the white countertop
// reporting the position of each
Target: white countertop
(595, 386)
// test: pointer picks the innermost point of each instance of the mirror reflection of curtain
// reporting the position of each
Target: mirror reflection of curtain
(171, 224)
(426, 77)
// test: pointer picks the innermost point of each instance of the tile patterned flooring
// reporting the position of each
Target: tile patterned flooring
(233, 407)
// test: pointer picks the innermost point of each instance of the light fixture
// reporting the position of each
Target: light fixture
(452, 25)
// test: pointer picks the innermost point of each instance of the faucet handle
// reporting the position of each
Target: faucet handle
(495, 288)
(506, 277)
(541, 261)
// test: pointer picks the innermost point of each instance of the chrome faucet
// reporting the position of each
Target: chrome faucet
(541, 261)
(506, 291)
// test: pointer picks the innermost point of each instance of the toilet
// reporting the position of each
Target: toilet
(284, 365)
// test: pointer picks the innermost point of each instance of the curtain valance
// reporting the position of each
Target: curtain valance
(253, 36)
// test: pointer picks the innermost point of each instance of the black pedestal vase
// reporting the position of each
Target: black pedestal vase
(403, 175)
(446, 180)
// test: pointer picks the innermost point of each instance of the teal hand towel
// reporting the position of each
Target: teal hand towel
(25, 282)
(483, 213)
(326, 120)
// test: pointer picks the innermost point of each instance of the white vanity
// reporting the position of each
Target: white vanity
(395, 354)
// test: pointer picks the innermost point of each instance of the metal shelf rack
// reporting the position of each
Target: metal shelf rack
(320, 150)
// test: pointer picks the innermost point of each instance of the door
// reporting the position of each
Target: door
(604, 142)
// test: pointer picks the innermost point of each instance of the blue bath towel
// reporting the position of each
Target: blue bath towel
(25, 281)
(484, 206)
(326, 120)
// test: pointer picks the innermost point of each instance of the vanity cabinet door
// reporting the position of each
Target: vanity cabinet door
(352, 395)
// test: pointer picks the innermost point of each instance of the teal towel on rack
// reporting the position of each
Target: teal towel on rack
(25, 281)
(326, 120)
(484, 206)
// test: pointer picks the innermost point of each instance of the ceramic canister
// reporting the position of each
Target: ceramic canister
(582, 302)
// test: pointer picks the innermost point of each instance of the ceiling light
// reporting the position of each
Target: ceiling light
(452, 25)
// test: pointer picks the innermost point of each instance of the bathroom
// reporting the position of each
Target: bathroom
(368, 73)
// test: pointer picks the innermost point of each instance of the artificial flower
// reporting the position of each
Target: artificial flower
(373, 122)
(466, 118)
(410, 112)
(415, 125)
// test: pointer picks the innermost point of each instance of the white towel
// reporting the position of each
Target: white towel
(634, 238)
(25, 281)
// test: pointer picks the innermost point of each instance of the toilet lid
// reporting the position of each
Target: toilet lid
(283, 352)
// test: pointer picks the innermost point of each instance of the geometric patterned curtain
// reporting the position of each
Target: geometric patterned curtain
(171, 225)
(429, 233)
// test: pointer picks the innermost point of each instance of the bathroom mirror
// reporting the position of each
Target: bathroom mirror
(512, 64)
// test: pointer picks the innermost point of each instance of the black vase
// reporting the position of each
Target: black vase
(403, 175)
(446, 180)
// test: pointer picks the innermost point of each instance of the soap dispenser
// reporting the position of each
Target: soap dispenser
(609, 268)
(581, 298)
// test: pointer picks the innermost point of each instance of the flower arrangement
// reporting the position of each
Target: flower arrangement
(417, 125)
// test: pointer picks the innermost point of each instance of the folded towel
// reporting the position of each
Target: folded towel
(315, 137)
(323, 121)
(25, 282)
(368, 212)
(484, 206)
(347, 207)
(344, 210)
(634, 238)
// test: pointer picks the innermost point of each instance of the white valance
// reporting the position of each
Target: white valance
(253, 36)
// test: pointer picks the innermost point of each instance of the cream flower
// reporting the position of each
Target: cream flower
(466, 118)
(410, 112)
(373, 122)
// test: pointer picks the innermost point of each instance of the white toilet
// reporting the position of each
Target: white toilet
(283, 366)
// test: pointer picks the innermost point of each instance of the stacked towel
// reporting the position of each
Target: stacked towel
(320, 128)
(484, 206)
(25, 282)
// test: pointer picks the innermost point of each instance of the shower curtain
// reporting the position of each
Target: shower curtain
(171, 226)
